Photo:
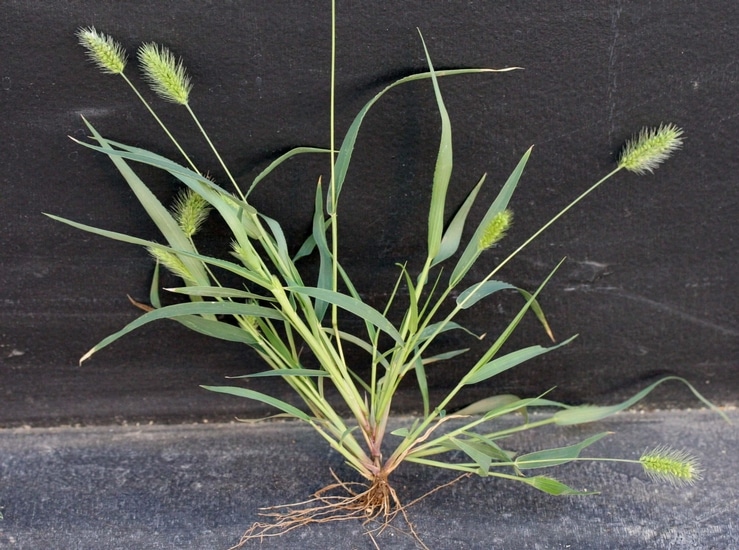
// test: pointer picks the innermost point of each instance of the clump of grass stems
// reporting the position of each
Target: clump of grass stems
(277, 312)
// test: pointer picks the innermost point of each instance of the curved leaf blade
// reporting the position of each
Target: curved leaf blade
(262, 398)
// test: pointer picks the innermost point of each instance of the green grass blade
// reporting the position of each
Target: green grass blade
(590, 413)
(443, 169)
(423, 385)
(453, 234)
(492, 350)
(347, 146)
(218, 292)
(262, 398)
(352, 305)
(154, 288)
(216, 329)
(555, 457)
(285, 372)
(553, 487)
(181, 310)
(279, 160)
(444, 356)
(470, 296)
(492, 403)
(513, 359)
(161, 217)
(325, 266)
(229, 266)
(482, 459)
(431, 329)
(472, 251)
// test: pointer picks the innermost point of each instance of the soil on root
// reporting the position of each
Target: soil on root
(376, 505)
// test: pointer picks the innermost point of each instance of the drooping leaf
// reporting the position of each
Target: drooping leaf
(228, 266)
(470, 296)
(488, 404)
(285, 372)
(182, 310)
(503, 338)
(347, 146)
(444, 356)
(590, 413)
(262, 398)
(325, 266)
(482, 459)
(279, 160)
(352, 305)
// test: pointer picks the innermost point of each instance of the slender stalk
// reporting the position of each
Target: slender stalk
(161, 124)
(215, 151)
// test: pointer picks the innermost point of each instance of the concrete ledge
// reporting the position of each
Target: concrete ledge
(200, 487)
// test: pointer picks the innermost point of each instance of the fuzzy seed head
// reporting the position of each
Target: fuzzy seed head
(190, 211)
(674, 467)
(106, 53)
(172, 262)
(246, 256)
(496, 229)
(166, 76)
(650, 148)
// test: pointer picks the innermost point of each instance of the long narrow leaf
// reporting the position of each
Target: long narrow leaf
(555, 457)
(229, 266)
(472, 251)
(453, 234)
(179, 310)
(443, 169)
(161, 217)
(262, 398)
(553, 487)
(285, 372)
(217, 292)
(470, 296)
(589, 413)
(347, 146)
(352, 305)
(279, 160)
(325, 270)
(513, 359)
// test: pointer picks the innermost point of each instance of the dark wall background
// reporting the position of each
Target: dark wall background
(650, 283)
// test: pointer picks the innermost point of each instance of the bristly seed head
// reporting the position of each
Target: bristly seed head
(106, 53)
(190, 210)
(650, 148)
(496, 229)
(166, 76)
(674, 467)
(173, 263)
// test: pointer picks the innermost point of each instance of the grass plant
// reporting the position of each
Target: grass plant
(277, 312)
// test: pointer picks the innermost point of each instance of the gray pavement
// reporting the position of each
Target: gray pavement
(200, 486)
